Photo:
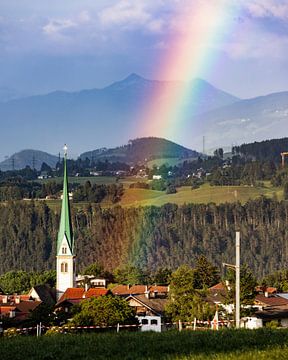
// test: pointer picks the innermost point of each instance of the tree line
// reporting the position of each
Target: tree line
(148, 238)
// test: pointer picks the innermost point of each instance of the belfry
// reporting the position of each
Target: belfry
(65, 258)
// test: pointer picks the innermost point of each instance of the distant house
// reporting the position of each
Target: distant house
(43, 293)
(74, 296)
(161, 291)
(91, 280)
(44, 175)
(157, 177)
(149, 310)
(17, 307)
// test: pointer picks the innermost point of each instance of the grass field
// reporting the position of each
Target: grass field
(205, 194)
(226, 344)
(168, 161)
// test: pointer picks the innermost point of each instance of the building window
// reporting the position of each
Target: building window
(154, 322)
(64, 267)
(64, 250)
(144, 322)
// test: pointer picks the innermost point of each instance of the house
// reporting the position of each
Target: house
(43, 293)
(17, 307)
(91, 280)
(149, 310)
(274, 313)
(74, 296)
(263, 301)
(157, 177)
(217, 295)
(125, 290)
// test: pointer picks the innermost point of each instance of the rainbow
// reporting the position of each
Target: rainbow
(191, 53)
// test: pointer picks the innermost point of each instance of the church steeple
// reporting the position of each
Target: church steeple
(65, 258)
(65, 228)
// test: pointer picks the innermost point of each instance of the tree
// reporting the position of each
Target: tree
(162, 276)
(278, 279)
(97, 271)
(205, 274)
(15, 282)
(43, 313)
(104, 311)
(129, 274)
(247, 286)
(185, 302)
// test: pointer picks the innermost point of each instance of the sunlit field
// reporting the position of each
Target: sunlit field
(228, 344)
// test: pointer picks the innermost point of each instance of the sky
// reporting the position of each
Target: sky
(79, 44)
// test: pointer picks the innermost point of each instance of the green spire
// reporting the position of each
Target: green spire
(65, 228)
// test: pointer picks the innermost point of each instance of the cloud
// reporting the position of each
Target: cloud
(132, 14)
(267, 8)
(57, 26)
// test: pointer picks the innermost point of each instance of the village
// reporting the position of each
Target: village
(148, 302)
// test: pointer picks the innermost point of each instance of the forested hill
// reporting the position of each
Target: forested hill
(32, 158)
(268, 150)
(148, 237)
(140, 150)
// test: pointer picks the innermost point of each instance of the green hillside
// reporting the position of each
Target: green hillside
(141, 150)
(205, 194)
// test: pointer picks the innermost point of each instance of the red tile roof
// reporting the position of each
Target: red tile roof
(80, 293)
(138, 289)
(159, 288)
(72, 293)
(268, 289)
(95, 292)
(127, 289)
(219, 286)
(6, 309)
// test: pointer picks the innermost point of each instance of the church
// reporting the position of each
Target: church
(65, 258)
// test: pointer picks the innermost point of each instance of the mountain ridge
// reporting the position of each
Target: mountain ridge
(111, 116)
(137, 150)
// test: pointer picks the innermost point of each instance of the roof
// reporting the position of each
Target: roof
(268, 289)
(65, 228)
(72, 293)
(138, 289)
(271, 300)
(27, 306)
(80, 293)
(219, 286)
(273, 312)
(95, 292)
(11, 299)
(156, 305)
(45, 293)
(6, 309)
(159, 288)
(217, 293)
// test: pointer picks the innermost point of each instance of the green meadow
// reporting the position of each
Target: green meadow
(205, 194)
(199, 345)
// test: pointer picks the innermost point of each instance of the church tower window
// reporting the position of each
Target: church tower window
(64, 267)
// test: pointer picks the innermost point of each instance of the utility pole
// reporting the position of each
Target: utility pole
(236, 267)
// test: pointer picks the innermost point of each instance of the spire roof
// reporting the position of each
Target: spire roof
(65, 228)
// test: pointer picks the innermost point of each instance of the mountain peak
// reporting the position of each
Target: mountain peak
(133, 77)
(131, 80)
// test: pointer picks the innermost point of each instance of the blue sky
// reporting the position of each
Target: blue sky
(76, 44)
